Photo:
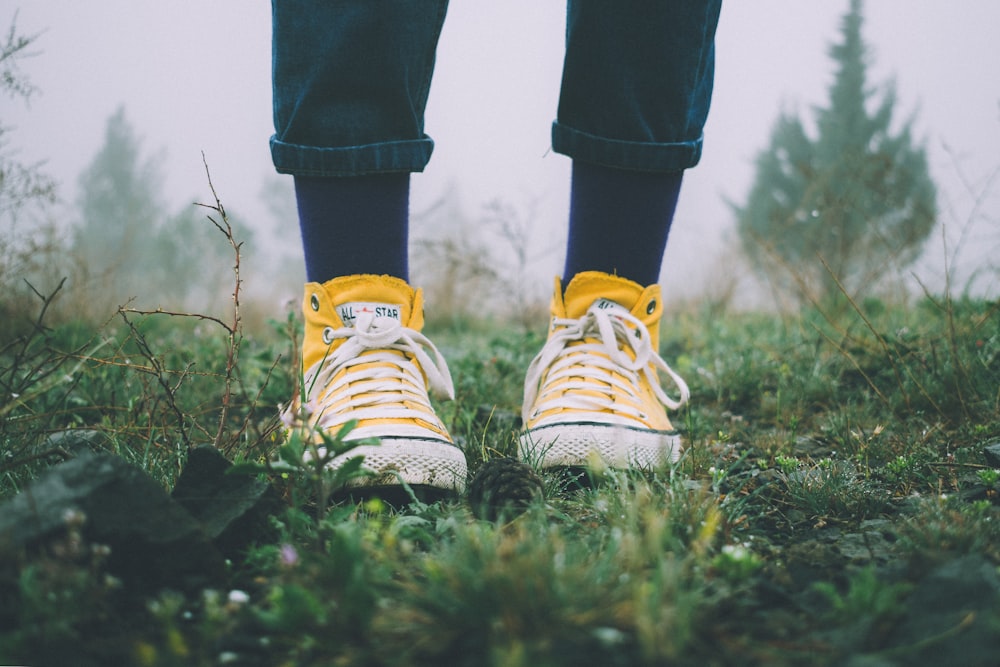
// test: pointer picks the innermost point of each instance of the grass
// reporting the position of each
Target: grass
(798, 426)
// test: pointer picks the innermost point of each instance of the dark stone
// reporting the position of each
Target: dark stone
(951, 616)
(810, 447)
(61, 446)
(872, 544)
(155, 543)
(76, 441)
(992, 454)
(232, 509)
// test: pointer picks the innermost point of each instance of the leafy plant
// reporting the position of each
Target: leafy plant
(988, 476)
(868, 596)
(306, 456)
(944, 526)
(60, 596)
(801, 428)
(834, 490)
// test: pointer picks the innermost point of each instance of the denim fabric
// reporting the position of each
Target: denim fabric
(637, 82)
(351, 79)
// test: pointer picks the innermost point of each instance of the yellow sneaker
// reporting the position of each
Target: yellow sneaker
(592, 395)
(365, 359)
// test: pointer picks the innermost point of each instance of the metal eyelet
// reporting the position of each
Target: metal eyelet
(651, 307)
(314, 302)
(328, 335)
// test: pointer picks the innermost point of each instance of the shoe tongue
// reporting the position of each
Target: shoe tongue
(605, 291)
(375, 296)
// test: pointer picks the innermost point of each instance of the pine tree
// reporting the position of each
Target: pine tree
(857, 196)
(127, 242)
(119, 207)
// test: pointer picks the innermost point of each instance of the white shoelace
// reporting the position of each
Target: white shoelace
(390, 386)
(598, 368)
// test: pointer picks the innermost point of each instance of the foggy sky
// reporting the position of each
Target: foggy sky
(195, 77)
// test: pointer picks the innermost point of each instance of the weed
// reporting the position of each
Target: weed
(787, 464)
(834, 490)
(625, 587)
(736, 563)
(945, 526)
(61, 595)
(988, 476)
(156, 386)
(305, 458)
(796, 423)
(868, 596)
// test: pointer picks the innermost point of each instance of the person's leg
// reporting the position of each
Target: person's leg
(351, 80)
(619, 220)
(354, 224)
(637, 82)
(636, 88)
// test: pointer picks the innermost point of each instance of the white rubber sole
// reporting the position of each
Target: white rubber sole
(418, 462)
(577, 445)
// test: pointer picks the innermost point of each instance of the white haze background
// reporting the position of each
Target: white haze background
(194, 77)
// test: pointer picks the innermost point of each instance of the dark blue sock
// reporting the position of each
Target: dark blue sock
(619, 221)
(354, 224)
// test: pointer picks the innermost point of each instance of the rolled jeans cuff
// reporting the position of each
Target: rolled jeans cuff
(390, 156)
(619, 154)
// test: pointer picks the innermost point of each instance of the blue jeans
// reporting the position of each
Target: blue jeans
(351, 79)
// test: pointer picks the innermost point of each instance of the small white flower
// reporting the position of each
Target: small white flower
(736, 551)
(238, 597)
(289, 556)
(73, 517)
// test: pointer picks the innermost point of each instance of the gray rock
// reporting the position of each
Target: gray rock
(951, 617)
(76, 441)
(992, 453)
(155, 543)
(232, 509)
(870, 544)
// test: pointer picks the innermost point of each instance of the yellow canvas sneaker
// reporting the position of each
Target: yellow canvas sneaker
(593, 394)
(364, 359)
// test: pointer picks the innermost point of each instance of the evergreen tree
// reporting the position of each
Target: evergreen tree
(857, 196)
(129, 245)
(119, 209)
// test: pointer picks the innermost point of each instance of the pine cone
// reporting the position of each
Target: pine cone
(504, 485)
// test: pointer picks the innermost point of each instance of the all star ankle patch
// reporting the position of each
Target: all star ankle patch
(608, 304)
(350, 312)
